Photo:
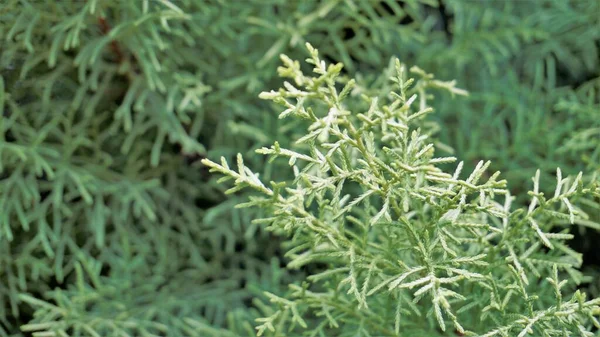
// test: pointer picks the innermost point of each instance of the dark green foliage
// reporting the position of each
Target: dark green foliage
(110, 225)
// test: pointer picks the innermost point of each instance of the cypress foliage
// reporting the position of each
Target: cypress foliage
(111, 226)
(405, 247)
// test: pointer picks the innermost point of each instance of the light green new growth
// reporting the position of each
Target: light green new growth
(395, 246)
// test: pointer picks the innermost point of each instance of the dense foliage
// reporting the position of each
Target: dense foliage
(110, 226)
(404, 243)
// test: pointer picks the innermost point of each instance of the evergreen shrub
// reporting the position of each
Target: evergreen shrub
(110, 225)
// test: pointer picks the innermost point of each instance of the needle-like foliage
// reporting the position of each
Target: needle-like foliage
(402, 247)
(110, 227)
